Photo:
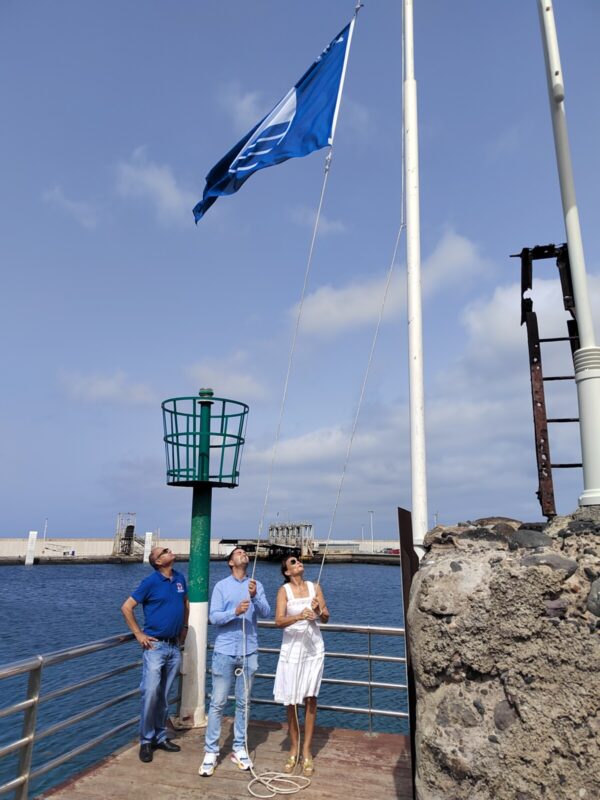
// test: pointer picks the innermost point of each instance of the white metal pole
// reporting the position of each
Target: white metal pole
(30, 552)
(413, 267)
(372, 541)
(147, 546)
(193, 668)
(342, 77)
(587, 358)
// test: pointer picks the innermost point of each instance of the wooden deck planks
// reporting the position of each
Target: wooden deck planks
(347, 764)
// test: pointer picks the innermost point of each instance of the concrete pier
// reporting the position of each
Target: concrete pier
(99, 551)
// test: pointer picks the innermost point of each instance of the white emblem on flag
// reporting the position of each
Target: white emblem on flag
(267, 136)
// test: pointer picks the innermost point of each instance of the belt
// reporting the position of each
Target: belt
(172, 640)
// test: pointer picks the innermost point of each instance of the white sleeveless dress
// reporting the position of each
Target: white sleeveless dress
(300, 665)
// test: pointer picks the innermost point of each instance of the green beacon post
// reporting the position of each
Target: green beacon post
(204, 438)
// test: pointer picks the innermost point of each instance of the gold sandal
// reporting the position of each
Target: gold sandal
(307, 767)
(290, 764)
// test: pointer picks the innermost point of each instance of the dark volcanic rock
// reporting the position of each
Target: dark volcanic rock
(552, 560)
(504, 715)
(503, 529)
(482, 534)
(529, 538)
(455, 566)
(591, 573)
(532, 526)
(439, 536)
(593, 603)
(556, 608)
(483, 521)
(453, 712)
(581, 526)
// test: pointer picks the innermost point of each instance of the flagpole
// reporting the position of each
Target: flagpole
(413, 267)
(343, 75)
(587, 358)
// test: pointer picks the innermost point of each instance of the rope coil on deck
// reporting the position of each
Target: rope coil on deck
(273, 783)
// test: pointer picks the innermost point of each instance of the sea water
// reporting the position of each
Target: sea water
(51, 607)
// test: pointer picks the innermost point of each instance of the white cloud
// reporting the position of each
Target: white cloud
(155, 183)
(114, 388)
(497, 344)
(455, 260)
(331, 310)
(244, 108)
(312, 448)
(227, 376)
(305, 217)
(83, 213)
(481, 458)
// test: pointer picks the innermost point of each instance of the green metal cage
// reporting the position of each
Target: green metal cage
(204, 438)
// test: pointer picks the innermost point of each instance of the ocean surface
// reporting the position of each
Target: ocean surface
(50, 607)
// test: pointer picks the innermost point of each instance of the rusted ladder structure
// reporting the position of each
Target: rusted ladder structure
(541, 421)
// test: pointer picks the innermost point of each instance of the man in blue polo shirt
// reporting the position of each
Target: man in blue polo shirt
(163, 596)
(235, 604)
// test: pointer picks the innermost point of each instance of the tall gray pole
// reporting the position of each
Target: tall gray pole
(587, 358)
(413, 269)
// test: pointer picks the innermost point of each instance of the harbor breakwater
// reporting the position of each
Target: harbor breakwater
(504, 625)
(100, 551)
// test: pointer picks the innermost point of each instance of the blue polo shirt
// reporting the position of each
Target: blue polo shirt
(163, 602)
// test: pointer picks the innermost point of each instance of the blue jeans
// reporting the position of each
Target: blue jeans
(159, 670)
(223, 669)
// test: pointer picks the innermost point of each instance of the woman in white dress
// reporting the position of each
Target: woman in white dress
(300, 667)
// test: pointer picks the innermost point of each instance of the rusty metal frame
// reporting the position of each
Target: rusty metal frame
(545, 492)
(528, 255)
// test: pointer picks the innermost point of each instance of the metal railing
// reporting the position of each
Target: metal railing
(30, 735)
(33, 667)
(369, 631)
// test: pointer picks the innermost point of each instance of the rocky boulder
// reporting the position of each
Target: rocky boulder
(504, 624)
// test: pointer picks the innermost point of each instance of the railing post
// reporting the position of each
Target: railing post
(370, 686)
(29, 718)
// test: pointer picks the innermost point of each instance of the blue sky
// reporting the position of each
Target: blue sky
(114, 300)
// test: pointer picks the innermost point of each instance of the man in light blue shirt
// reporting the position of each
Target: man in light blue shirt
(235, 605)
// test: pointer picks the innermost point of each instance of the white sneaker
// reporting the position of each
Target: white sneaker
(242, 759)
(207, 767)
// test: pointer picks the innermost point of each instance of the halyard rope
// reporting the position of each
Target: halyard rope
(328, 159)
(272, 782)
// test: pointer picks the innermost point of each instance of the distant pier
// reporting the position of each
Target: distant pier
(100, 551)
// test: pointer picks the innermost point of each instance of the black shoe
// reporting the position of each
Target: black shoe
(167, 745)
(146, 753)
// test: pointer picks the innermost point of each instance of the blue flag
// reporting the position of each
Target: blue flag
(300, 123)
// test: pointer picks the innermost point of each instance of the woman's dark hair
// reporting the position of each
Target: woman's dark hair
(284, 561)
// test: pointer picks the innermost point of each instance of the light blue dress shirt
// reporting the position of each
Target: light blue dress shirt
(226, 597)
